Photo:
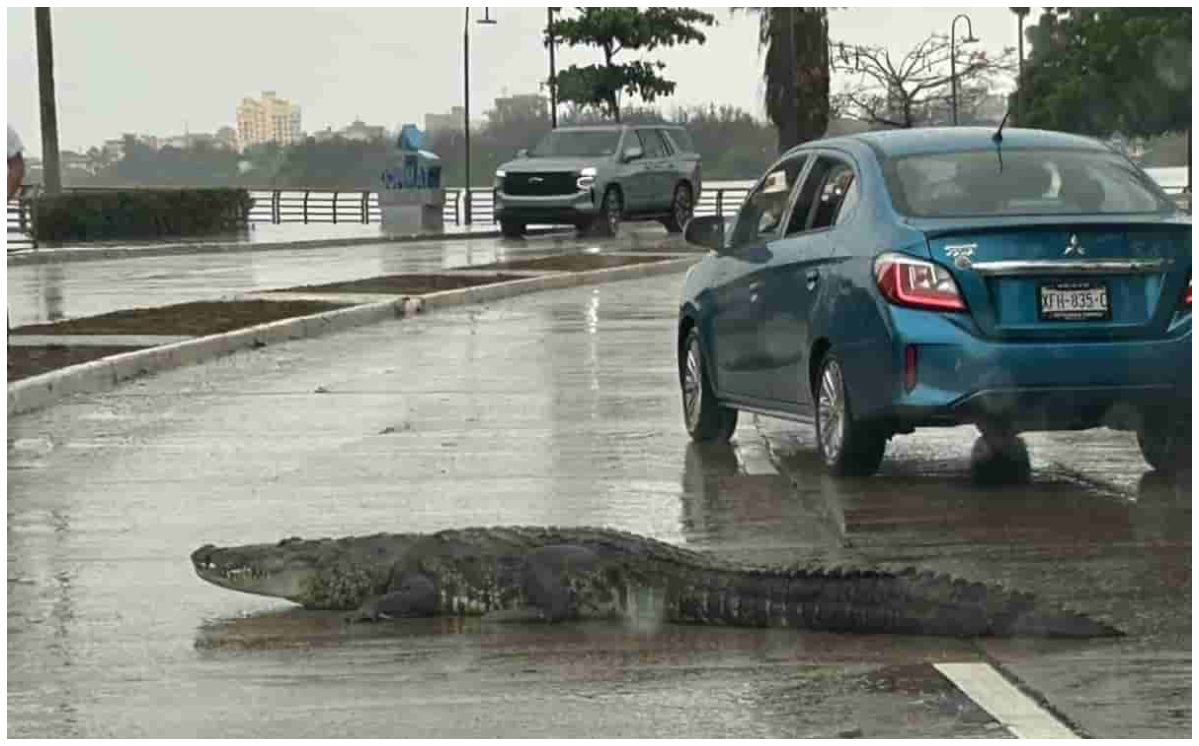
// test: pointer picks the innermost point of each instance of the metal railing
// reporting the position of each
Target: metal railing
(314, 206)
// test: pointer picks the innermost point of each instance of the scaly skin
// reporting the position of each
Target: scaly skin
(518, 573)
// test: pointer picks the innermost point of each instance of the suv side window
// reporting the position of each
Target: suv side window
(829, 186)
(761, 215)
(667, 148)
(680, 139)
(651, 143)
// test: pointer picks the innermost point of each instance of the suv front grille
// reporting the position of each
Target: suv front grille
(540, 184)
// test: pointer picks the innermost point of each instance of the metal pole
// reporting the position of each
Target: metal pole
(549, 13)
(953, 73)
(51, 175)
(1020, 71)
(466, 104)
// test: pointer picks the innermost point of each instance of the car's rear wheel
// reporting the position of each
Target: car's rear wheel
(705, 418)
(849, 448)
(1166, 444)
(681, 207)
(606, 224)
(512, 229)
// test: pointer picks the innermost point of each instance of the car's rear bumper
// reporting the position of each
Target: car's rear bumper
(961, 378)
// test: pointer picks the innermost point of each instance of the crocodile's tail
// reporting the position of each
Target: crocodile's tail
(872, 601)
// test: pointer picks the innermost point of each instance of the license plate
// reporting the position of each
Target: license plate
(1074, 301)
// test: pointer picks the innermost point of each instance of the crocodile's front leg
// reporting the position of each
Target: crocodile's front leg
(413, 596)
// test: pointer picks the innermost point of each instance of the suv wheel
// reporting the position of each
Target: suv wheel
(705, 418)
(848, 448)
(511, 229)
(681, 208)
(607, 222)
(1166, 444)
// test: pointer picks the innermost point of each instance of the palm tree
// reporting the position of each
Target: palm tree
(796, 71)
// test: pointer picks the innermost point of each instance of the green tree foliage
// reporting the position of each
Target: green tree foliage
(616, 30)
(1098, 71)
(796, 71)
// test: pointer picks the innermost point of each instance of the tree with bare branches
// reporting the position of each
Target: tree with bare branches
(913, 90)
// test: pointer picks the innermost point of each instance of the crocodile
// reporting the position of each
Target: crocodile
(558, 574)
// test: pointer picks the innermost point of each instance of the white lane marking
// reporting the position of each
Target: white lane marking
(1007, 704)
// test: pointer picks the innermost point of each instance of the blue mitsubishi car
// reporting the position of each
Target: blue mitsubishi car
(1016, 280)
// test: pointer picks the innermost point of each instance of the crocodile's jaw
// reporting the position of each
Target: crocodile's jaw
(243, 569)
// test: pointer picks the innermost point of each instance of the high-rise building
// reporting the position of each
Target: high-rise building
(268, 119)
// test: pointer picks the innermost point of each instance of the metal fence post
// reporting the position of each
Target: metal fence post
(366, 208)
(719, 203)
(335, 208)
(275, 217)
(306, 207)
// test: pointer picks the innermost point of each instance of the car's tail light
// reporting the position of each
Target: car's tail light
(907, 281)
(1186, 299)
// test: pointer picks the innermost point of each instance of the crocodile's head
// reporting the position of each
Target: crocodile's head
(316, 573)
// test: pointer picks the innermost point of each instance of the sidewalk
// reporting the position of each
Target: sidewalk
(52, 291)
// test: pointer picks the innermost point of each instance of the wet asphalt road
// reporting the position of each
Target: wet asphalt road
(555, 408)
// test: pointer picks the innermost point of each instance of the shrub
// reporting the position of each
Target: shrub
(139, 213)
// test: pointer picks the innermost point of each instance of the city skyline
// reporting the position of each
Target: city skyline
(365, 69)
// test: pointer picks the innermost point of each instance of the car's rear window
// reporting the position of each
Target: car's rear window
(1011, 181)
(577, 143)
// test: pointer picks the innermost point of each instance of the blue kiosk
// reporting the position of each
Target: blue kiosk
(411, 197)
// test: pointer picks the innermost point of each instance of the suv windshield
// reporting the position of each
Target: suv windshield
(577, 143)
(1029, 182)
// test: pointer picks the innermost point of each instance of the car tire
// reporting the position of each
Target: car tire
(512, 229)
(999, 457)
(682, 206)
(705, 418)
(848, 447)
(606, 224)
(1166, 445)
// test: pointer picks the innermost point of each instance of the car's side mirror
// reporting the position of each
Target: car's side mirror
(633, 153)
(706, 231)
(522, 153)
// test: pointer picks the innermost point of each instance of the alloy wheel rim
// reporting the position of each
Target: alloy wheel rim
(693, 390)
(832, 412)
(682, 206)
(613, 202)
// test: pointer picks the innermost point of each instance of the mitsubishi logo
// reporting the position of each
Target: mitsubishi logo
(1074, 247)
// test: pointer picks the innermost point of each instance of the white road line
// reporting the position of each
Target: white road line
(1007, 704)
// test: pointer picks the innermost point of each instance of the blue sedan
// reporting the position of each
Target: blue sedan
(1016, 280)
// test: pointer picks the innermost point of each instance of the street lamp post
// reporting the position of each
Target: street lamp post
(549, 28)
(953, 67)
(488, 21)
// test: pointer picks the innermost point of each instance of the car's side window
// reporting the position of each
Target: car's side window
(667, 150)
(761, 215)
(829, 184)
(651, 143)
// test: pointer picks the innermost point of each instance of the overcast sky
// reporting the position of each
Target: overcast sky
(155, 71)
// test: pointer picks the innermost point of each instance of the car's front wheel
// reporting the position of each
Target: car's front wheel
(705, 418)
(1166, 444)
(849, 448)
(607, 222)
(512, 229)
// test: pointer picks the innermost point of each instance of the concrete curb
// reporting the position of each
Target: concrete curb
(40, 391)
(80, 254)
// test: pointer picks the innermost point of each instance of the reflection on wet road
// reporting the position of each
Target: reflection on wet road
(557, 408)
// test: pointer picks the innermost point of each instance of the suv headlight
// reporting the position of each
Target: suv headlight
(499, 179)
(586, 178)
